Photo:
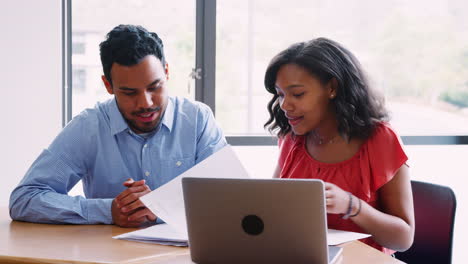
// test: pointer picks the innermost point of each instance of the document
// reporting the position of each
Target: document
(164, 234)
(336, 237)
(167, 202)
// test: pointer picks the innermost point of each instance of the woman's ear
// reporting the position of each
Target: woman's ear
(332, 88)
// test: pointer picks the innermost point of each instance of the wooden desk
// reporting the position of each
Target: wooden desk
(39, 243)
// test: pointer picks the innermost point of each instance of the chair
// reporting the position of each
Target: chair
(434, 212)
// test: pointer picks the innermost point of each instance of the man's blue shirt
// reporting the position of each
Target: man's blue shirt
(99, 148)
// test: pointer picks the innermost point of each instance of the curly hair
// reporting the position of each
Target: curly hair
(358, 108)
(127, 45)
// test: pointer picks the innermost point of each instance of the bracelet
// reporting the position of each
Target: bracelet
(350, 207)
(358, 210)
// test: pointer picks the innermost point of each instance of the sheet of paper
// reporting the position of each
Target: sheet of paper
(167, 202)
(335, 237)
(162, 234)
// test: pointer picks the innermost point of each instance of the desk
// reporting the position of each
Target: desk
(41, 243)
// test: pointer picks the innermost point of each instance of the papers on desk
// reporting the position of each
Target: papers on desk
(164, 234)
(167, 202)
(336, 237)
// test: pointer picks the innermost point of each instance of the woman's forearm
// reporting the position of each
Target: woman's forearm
(389, 231)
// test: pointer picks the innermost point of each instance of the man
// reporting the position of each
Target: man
(141, 133)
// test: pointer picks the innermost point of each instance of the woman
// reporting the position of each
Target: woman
(332, 127)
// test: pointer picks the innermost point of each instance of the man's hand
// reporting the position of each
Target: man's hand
(127, 209)
(121, 219)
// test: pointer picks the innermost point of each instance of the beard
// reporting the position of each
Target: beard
(146, 127)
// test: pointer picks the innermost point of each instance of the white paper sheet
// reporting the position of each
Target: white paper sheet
(167, 202)
(336, 237)
(164, 234)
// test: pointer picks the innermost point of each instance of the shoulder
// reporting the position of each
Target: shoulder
(289, 141)
(85, 126)
(189, 111)
(386, 155)
(384, 134)
(188, 106)
(86, 119)
(77, 139)
(90, 119)
(289, 148)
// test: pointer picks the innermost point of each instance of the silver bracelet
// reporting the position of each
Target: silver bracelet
(358, 210)
(350, 207)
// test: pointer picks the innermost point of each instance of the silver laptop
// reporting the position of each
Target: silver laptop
(257, 221)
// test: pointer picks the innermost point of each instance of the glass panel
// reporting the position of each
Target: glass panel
(416, 52)
(92, 19)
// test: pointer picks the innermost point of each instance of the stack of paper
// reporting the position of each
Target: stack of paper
(167, 202)
(336, 237)
(165, 235)
(162, 234)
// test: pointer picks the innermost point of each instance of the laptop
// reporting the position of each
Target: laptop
(257, 221)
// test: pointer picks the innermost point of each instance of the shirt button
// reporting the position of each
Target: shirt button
(178, 163)
(147, 173)
(145, 146)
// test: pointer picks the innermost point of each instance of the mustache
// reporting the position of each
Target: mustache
(147, 110)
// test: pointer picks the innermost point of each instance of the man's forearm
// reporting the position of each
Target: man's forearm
(46, 206)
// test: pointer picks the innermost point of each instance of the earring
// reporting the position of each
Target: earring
(332, 96)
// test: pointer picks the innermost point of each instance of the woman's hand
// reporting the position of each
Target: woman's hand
(337, 200)
(393, 225)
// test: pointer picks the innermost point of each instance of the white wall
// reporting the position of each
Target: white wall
(30, 80)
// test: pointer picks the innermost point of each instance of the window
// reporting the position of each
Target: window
(78, 44)
(415, 52)
(173, 21)
(79, 80)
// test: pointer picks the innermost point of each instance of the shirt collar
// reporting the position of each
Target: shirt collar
(118, 123)
(168, 117)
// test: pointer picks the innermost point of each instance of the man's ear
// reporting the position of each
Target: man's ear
(107, 84)
(166, 70)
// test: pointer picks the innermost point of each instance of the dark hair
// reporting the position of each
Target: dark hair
(358, 108)
(127, 45)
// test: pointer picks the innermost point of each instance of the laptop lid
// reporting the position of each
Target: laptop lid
(256, 220)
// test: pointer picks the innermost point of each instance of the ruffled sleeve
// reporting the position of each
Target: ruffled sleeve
(289, 159)
(283, 144)
(385, 156)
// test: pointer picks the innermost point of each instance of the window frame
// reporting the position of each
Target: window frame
(205, 66)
